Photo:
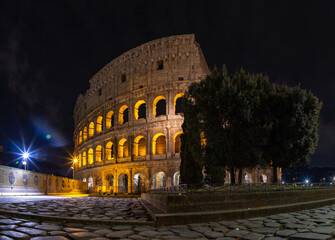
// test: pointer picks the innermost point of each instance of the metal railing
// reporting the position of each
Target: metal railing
(239, 188)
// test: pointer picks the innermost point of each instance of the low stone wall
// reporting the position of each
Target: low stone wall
(232, 201)
(15, 181)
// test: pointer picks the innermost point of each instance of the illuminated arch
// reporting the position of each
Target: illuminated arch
(109, 151)
(177, 142)
(90, 156)
(139, 182)
(123, 183)
(140, 146)
(159, 144)
(84, 158)
(123, 114)
(159, 180)
(98, 153)
(99, 124)
(176, 178)
(138, 105)
(79, 160)
(247, 178)
(157, 99)
(263, 178)
(123, 148)
(91, 129)
(85, 134)
(176, 102)
(110, 119)
(80, 137)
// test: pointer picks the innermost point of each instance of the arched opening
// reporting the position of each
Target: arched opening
(178, 103)
(177, 142)
(91, 129)
(123, 183)
(139, 182)
(140, 110)
(99, 124)
(85, 134)
(98, 153)
(123, 148)
(263, 178)
(176, 178)
(90, 156)
(228, 178)
(80, 137)
(110, 119)
(84, 158)
(247, 178)
(140, 146)
(159, 106)
(159, 180)
(123, 114)
(109, 151)
(159, 144)
(79, 160)
(90, 182)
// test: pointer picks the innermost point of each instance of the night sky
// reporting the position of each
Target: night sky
(50, 49)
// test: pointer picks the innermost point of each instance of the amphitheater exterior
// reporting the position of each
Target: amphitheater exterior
(128, 123)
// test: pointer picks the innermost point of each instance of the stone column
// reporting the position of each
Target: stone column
(168, 142)
(130, 181)
(148, 145)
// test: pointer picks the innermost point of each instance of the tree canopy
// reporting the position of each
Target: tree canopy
(247, 122)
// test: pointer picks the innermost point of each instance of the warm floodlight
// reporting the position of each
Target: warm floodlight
(75, 160)
(25, 155)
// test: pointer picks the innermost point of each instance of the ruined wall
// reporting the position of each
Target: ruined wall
(15, 181)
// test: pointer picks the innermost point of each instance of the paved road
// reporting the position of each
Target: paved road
(309, 224)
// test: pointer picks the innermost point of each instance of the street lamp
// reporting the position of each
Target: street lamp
(75, 160)
(25, 156)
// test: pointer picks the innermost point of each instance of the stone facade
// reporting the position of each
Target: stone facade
(128, 123)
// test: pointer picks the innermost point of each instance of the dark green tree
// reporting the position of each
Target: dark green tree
(294, 116)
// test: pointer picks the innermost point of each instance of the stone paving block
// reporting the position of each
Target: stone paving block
(120, 234)
(310, 236)
(29, 224)
(162, 229)
(178, 229)
(32, 231)
(285, 233)
(8, 221)
(226, 238)
(150, 234)
(190, 234)
(172, 238)
(5, 238)
(121, 227)
(144, 228)
(254, 236)
(7, 227)
(50, 238)
(71, 230)
(100, 238)
(103, 232)
(165, 233)
(83, 235)
(212, 234)
(324, 230)
(274, 238)
(137, 237)
(236, 233)
(220, 229)
(265, 230)
(57, 233)
(272, 224)
(15, 234)
(48, 227)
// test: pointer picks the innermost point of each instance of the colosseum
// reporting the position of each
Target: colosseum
(128, 123)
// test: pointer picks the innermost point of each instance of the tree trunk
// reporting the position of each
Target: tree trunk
(232, 175)
(240, 176)
(275, 179)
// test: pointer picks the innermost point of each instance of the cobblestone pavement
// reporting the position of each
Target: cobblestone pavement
(78, 207)
(309, 224)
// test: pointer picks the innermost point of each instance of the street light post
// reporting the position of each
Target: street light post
(73, 164)
(25, 157)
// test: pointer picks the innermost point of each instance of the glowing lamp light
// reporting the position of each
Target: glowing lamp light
(306, 181)
(75, 160)
(25, 155)
(282, 182)
(48, 136)
(24, 162)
